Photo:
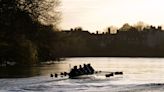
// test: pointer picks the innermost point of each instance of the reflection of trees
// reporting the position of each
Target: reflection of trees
(14, 72)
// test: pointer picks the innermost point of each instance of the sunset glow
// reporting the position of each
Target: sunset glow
(95, 15)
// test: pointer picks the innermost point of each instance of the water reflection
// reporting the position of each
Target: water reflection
(20, 72)
(133, 68)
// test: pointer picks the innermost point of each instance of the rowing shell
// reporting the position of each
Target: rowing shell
(96, 75)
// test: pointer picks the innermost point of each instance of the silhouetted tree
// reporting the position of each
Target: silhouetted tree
(78, 29)
(140, 25)
(23, 23)
(159, 28)
(39, 10)
(112, 30)
(125, 27)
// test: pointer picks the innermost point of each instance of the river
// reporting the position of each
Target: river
(140, 75)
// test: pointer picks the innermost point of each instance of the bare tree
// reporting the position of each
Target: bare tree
(26, 27)
(41, 10)
(44, 11)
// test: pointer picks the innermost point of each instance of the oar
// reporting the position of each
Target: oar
(116, 73)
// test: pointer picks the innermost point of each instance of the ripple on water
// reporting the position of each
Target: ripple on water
(37, 88)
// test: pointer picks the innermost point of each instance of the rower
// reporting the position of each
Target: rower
(86, 69)
(81, 70)
(74, 72)
(90, 68)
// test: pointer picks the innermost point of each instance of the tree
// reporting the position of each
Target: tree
(22, 25)
(39, 10)
(140, 25)
(125, 27)
(112, 30)
(78, 29)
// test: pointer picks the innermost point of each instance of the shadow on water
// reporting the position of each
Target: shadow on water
(26, 71)
(18, 72)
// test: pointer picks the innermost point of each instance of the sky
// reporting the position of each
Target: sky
(96, 15)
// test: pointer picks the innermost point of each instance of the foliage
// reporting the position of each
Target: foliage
(27, 30)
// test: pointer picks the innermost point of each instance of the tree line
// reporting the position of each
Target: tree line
(29, 35)
(128, 41)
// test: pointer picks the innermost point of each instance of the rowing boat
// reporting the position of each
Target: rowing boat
(96, 75)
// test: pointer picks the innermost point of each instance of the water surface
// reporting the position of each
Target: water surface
(140, 75)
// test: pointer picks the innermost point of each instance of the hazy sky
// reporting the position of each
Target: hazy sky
(95, 15)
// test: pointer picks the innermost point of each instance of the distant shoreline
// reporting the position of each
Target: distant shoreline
(115, 56)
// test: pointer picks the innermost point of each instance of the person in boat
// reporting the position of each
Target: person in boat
(74, 72)
(91, 70)
(87, 69)
(81, 70)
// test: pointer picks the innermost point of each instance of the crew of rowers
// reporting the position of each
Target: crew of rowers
(86, 69)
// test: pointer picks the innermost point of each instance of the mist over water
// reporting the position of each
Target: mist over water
(140, 75)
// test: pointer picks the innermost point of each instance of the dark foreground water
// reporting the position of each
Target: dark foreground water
(140, 75)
